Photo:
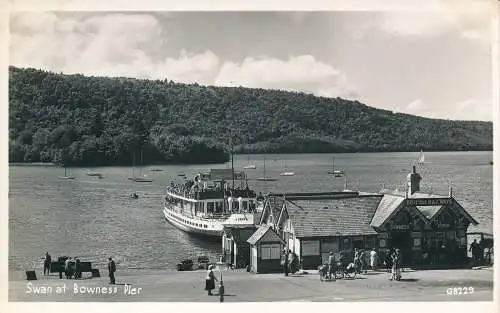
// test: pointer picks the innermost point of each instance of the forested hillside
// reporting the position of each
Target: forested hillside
(77, 120)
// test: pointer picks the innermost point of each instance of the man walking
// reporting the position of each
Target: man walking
(111, 270)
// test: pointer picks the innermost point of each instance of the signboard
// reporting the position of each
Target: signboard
(429, 201)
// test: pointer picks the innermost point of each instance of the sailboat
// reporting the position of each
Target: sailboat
(249, 166)
(334, 172)
(141, 178)
(421, 158)
(287, 173)
(95, 174)
(265, 178)
(66, 175)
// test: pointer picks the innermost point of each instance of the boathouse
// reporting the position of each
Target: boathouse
(430, 230)
(265, 250)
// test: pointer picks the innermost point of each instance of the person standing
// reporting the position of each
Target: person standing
(331, 265)
(210, 280)
(78, 273)
(285, 261)
(67, 269)
(111, 270)
(474, 249)
(396, 265)
(373, 259)
(47, 264)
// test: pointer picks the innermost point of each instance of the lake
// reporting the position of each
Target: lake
(94, 218)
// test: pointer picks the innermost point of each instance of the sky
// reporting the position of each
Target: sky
(435, 63)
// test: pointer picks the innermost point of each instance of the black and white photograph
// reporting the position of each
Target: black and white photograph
(209, 156)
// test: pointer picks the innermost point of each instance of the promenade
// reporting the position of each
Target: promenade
(159, 286)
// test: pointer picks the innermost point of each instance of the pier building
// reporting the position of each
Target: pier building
(429, 229)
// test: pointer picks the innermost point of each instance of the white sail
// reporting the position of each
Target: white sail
(421, 158)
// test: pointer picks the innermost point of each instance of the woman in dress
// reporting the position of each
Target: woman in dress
(210, 280)
(396, 265)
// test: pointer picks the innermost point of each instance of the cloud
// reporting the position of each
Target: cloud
(302, 73)
(482, 108)
(107, 44)
(416, 106)
(471, 19)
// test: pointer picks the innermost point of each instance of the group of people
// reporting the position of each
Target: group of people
(364, 259)
(478, 252)
(289, 261)
(72, 268)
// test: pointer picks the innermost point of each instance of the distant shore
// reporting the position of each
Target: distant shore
(245, 153)
(33, 164)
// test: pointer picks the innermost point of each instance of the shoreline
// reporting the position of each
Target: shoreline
(51, 164)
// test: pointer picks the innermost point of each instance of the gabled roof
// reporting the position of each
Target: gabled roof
(391, 203)
(429, 211)
(386, 208)
(266, 233)
(240, 235)
(332, 217)
(272, 206)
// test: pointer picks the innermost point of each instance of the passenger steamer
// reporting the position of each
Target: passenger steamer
(210, 201)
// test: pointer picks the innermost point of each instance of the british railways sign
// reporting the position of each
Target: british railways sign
(429, 201)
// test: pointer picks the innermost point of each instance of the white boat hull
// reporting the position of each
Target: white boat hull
(190, 225)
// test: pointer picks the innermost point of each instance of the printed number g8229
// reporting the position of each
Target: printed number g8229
(458, 291)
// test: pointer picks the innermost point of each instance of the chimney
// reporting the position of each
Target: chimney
(414, 179)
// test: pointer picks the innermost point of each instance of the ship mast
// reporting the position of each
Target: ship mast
(231, 151)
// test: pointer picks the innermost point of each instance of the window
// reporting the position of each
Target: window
(328, 245)
(310, 247)
(210, 207)
(270, 251)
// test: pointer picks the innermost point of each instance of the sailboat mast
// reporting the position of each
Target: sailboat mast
(140, 167)
(133, 164)
(65, 175)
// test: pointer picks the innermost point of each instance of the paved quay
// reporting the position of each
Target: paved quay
(163, 285)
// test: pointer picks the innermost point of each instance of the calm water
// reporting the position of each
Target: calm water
(95, 219)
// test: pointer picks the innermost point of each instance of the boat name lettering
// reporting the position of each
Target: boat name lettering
(428, 202)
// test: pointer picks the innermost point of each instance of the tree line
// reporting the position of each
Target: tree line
(91, 121)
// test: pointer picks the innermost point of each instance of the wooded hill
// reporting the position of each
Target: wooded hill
(90, 121)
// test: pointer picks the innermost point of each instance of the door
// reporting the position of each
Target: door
(402, 241)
